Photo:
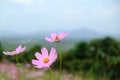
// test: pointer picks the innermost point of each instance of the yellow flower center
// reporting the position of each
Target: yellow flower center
(57, 39)
(46, 60)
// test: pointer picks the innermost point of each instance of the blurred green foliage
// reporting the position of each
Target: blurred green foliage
(30, 54)
(99, 57)
(1, 49)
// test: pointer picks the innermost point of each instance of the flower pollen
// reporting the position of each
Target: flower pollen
(46, 60)
(57, 39)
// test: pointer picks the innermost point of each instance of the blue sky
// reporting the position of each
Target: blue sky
(30, 16)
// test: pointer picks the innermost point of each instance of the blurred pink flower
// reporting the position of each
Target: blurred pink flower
(27, 65)
(18, 50)
(56, 38)
(45, 60)
(5, 68)
(34, 74)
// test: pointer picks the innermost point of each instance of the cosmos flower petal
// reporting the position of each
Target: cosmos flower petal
(53, 35)
(23, 49)
(53, 54)
(44, 60)
(38, 55)
(19, 49)
(38, 63)
(35, 62)
(9, 53)
(50, 62)
(13, 53)
(39, 66)
(49, 39)
(46, 65)
(56, 38)
(44, 52)
(66, 34)
(6, 53)
(62, 35)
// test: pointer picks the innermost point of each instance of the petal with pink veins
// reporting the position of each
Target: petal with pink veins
(38, 55)
(44, 52)
(41, 63)
(35, 62)
(53, 54)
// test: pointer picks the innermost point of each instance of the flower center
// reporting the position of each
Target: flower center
(46, 60)
(57, 38)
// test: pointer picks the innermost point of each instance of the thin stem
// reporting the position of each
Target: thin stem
(50, 72)
(60, 56)
(18, 66)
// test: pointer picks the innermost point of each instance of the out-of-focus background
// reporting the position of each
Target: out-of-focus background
(92, 47)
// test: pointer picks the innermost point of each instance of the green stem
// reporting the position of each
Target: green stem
(50, 72)
(60, 56)
(18, 66)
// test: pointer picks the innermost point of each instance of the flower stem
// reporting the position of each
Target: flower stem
(50, 72)
(18, 66)
(60, 56)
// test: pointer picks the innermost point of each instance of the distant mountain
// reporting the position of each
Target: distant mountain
(74, 36)
(86, 34)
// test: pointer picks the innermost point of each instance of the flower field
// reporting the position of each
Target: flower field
(8, 71)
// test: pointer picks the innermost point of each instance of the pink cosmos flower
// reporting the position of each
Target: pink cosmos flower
(18, 50)
(45, 60)
(56, 38)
